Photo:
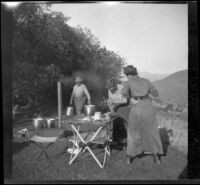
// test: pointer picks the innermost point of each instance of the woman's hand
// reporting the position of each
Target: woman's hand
(112, 114)
(116, 108)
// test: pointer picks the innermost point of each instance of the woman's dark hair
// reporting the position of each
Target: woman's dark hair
(130, 70)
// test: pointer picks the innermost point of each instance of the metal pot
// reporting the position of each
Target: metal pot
(70, 111)
(51, 123)
(89, 110)
(39, 123)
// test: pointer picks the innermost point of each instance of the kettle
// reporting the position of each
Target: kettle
(70, 111)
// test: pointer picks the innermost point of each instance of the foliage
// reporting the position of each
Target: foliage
(46, 48)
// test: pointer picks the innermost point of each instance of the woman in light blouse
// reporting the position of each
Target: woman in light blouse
(115, 97)
(119, 107)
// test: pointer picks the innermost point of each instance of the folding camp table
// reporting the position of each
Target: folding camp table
(100, 135)
(45, 138)
(43, 143)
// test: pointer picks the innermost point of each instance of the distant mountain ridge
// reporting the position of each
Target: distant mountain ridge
(150, 76)
(174, 88)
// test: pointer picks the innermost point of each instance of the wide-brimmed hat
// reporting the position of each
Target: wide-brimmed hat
(78, 79)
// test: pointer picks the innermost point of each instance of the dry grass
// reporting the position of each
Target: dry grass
(173, 164)
(24, 167)
(179, 130)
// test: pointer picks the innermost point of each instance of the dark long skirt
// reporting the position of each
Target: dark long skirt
(120, 124)
(142, 131)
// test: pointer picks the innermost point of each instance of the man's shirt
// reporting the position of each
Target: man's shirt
(80, 91)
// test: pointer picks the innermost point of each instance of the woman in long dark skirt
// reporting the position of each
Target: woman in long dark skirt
(142, 131)
(118, 105)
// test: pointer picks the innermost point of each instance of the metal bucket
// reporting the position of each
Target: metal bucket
(89, 110)
(70, 111)
(39, 123)
(51, 123)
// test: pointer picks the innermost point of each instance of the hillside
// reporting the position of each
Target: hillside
(174, 88)
(152, 77)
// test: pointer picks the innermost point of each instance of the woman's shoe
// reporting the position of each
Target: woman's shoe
(128, 160)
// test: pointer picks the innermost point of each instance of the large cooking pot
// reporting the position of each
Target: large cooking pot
(70, 111)
(39, 123)
(89, 110)
(51, 123)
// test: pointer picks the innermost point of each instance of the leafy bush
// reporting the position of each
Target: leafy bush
(46, 49)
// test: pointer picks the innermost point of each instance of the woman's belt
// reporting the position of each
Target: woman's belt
(136, 99)
(140, 97)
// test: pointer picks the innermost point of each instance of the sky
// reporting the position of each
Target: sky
(152, 37)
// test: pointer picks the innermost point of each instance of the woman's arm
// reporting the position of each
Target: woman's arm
(152, 90)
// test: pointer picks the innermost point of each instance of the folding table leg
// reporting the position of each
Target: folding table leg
(71, 160)
(40, 146)
(45, 151)
(95, 158)
(74, 143)
(107, 150)
(43, 148)
(47, 156)
(37, 159)
(104, 159)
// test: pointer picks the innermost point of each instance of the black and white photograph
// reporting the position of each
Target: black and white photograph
(96, 91)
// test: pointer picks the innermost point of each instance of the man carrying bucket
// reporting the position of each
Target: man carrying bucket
(79, 94)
